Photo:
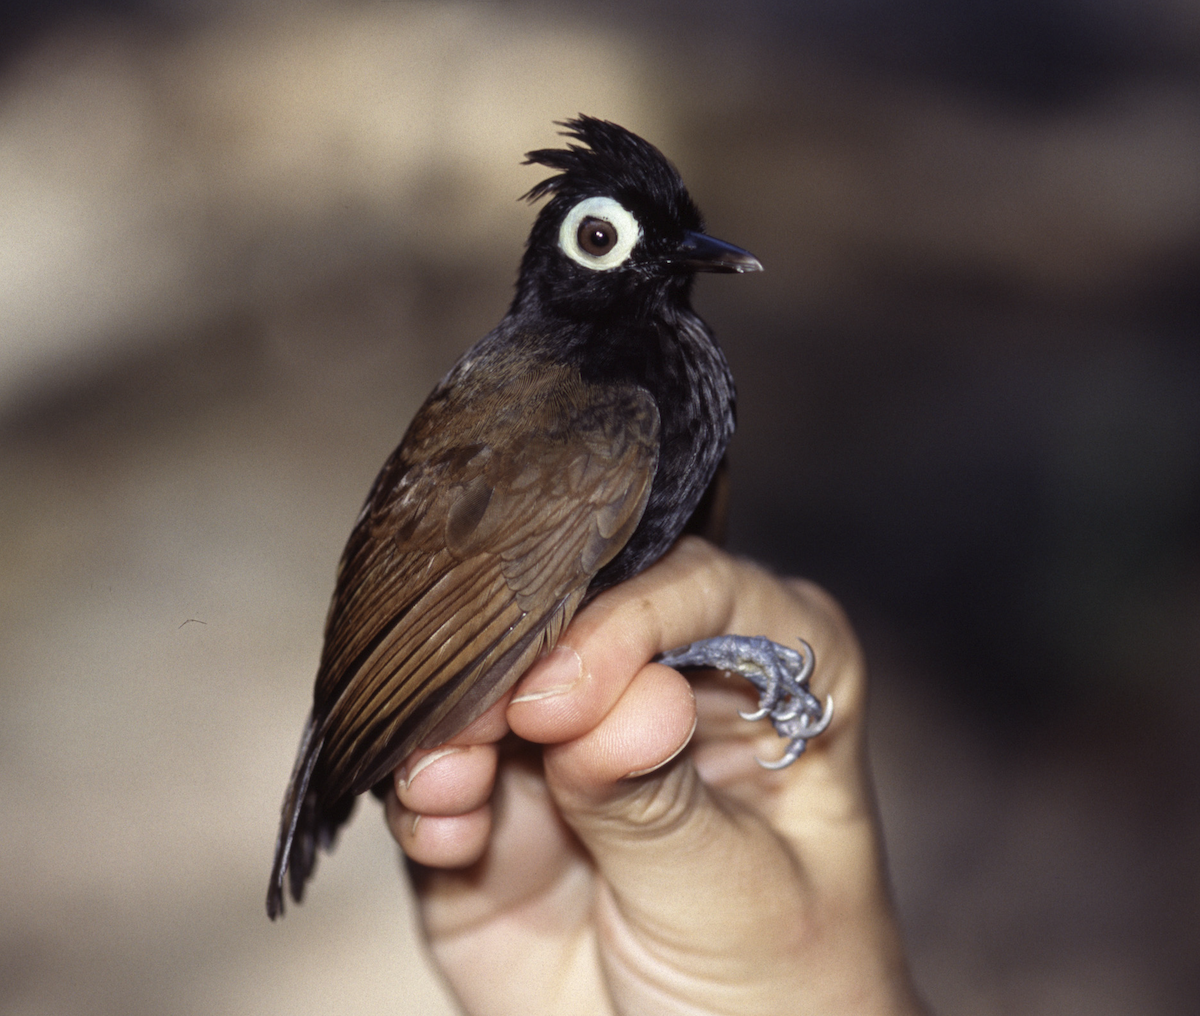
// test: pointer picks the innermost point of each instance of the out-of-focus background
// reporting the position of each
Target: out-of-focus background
(239, 241)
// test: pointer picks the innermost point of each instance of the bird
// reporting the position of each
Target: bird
(565, 452)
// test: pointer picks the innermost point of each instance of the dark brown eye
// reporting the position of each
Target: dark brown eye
(599, 234)
(596, 236)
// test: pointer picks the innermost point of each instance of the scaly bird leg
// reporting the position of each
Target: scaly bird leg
(781, 676)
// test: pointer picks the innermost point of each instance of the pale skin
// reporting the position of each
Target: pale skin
(641, 861)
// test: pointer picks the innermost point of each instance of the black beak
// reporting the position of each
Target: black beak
(703, 253)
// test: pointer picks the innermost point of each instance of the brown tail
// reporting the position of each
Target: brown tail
(306, 823)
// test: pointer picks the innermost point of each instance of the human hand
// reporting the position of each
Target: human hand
(570, 883)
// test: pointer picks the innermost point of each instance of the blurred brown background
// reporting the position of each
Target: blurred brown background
(239, 241)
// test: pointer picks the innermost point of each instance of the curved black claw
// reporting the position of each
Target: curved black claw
(781, 676)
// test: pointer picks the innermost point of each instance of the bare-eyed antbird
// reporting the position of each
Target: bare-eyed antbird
(564, 453)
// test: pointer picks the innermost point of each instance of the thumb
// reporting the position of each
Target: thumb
(697, 892)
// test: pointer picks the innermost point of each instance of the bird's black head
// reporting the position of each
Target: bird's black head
(620, 234)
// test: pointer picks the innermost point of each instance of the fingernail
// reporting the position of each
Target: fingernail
(406, 775)
(412, 831)
(646, 772)
(555, 674)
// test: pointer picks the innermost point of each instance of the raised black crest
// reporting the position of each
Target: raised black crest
(617, 161)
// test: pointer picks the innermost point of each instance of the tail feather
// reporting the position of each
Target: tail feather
(306, 823)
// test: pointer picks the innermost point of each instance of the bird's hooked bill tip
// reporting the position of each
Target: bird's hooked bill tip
(703, 253)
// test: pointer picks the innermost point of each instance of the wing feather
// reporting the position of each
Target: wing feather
(470, 558)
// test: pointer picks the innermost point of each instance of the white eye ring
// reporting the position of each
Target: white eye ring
(609, 211)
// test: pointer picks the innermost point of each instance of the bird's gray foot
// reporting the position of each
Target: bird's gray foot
(781, 676)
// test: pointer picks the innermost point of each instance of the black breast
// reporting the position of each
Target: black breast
(686, 373)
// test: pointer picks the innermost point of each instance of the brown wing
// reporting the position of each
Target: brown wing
(470, 557)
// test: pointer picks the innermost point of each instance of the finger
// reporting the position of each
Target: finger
(731, 885)
(438, 810)
(529, 852)
(520, 918)
(717, 893)
(449, 780)
(697, 592)
(439, 841)
(649, 725)
(694, 592)
(457, 776)
(715, 890)
(686, 596)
